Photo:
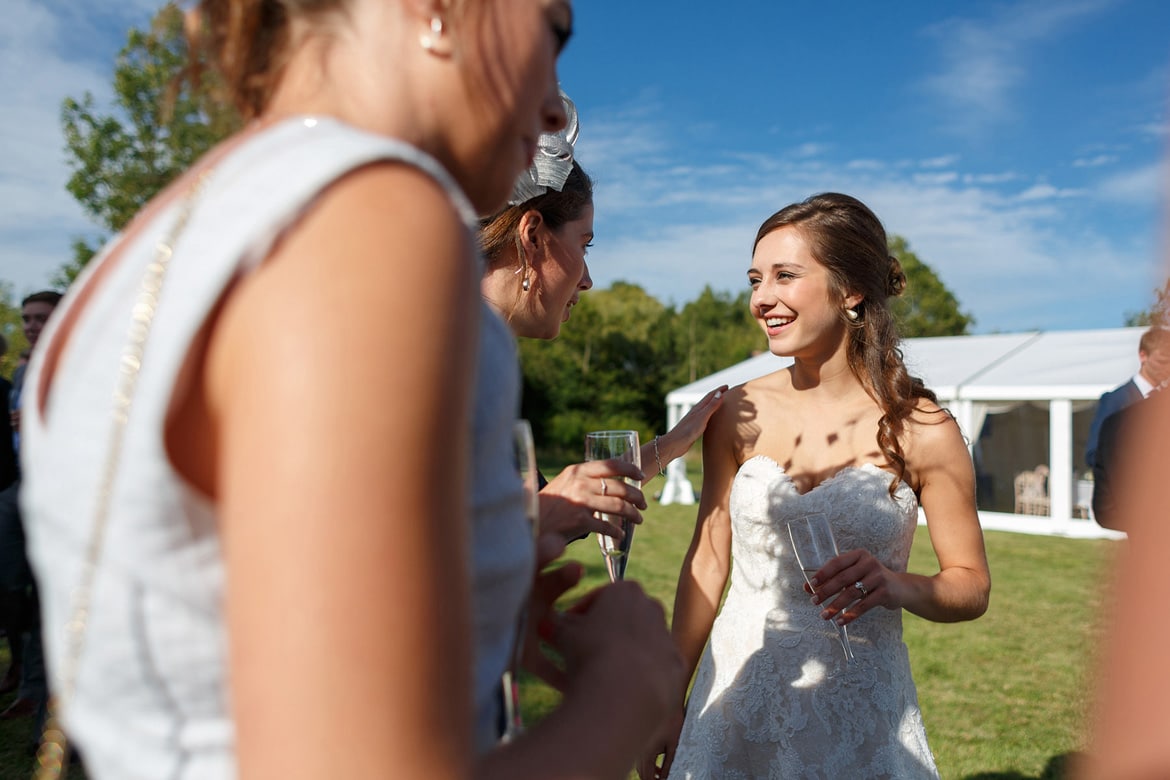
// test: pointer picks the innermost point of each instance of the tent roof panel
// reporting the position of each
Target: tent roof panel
(1079, 365)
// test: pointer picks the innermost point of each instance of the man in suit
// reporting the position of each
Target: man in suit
(1115, 413)
(1154, 354)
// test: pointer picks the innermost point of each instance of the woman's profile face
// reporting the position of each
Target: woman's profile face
(510, 72)
(561, 275)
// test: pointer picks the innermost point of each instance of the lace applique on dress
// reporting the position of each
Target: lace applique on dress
(768, 700)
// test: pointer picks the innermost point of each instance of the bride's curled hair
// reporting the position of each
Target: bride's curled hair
(849, 240)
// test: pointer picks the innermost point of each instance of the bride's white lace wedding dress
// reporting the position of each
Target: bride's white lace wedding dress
(772, 698)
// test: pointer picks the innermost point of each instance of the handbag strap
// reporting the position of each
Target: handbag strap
(51, 755)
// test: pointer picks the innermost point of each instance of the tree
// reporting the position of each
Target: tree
(608, 369)
(12, 331)
(715, 331)
(927, 308)
(157, 128)
(1158, 315)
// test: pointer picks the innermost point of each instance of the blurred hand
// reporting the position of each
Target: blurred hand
(665, 745)
(616, 636)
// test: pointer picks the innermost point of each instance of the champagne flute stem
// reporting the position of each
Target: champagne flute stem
(843, 637)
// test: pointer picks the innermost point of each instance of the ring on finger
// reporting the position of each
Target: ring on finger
(861, 587)
(604, 487)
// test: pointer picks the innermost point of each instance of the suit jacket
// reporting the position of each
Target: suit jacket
(1110, 403)
(8, 466)
(1116, 430)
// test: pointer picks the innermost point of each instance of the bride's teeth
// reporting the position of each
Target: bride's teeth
(775, 322)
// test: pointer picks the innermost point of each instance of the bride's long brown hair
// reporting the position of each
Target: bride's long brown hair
(849, 240)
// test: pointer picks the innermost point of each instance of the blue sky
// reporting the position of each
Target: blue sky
(1020, 147)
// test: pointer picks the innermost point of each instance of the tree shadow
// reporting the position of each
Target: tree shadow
(1058, 767)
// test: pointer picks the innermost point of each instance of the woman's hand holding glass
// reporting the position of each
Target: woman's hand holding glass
(568, 502)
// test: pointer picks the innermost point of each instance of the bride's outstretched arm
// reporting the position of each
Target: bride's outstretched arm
(704, 570)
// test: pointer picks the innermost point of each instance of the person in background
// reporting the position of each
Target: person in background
(536, 270)
(298, 573)
(848, 433)
(8, 476)
(22, 606)
(1154, 369)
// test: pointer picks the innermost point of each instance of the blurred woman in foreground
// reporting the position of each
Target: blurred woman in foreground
(253, 569)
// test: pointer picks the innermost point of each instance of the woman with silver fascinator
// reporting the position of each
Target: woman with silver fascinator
(535, 250)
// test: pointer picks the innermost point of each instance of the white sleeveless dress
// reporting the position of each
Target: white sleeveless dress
(764, 704)
(153, 695)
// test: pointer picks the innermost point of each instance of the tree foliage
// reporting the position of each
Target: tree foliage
(156, 128)
(927, 308)
(1158, 315)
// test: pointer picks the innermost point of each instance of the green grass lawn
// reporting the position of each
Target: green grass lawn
(1004, 697)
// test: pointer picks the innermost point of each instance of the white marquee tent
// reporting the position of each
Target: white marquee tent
(1042, 385)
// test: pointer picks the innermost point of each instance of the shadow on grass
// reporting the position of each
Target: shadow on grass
(1057, 768)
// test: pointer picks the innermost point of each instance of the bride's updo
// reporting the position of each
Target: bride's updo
(848, 239)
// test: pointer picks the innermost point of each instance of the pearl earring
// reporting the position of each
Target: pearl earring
(429, 40)
(852, 314)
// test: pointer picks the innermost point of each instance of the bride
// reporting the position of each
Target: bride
(845, 431)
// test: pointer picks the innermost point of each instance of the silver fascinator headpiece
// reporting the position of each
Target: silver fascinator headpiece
(553, 162)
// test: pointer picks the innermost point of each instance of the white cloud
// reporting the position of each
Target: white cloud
(1142, 185)
(1047, 192)
(1095, 162)
(990, 178)
(985, 60)
(943, 177)
(945, 161)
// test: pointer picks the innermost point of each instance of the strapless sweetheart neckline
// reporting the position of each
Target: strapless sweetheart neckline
(868, 467)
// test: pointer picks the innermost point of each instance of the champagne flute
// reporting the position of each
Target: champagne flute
(620, 445)
(524, 455)
(814, 545)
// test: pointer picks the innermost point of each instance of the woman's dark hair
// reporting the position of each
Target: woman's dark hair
(849, 241)
(499, 232)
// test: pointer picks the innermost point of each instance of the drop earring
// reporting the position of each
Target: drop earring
(852, 314)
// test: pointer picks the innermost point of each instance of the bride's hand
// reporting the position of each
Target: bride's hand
(859, 582)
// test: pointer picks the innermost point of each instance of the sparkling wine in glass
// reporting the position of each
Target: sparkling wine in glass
(620, 445)
(524, 456)
(814, 545)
